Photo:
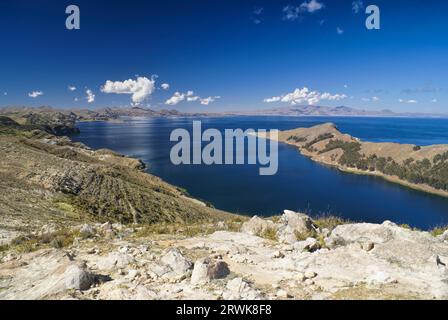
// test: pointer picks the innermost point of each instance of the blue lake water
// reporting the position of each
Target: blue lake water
(300, 184)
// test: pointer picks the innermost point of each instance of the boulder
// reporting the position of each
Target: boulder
(308, 245)
(78, 278)
(115, 260)
(239, 289)
(360, 233)
(176, 261)
(256, 226)
(293, 224)
(208, 269)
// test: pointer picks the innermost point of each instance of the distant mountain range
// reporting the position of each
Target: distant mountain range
(114, 113)
(307, 110)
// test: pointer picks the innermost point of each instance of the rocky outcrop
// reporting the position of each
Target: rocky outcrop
(353, 261)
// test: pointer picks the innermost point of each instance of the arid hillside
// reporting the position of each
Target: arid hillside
(49, 178)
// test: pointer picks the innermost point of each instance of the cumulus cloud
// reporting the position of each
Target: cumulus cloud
(35, 94)
(71, 88)
(304, 95)
(357, 6)
(140, 88)
(165, 86)
(434, 100)
(175, 99)
(189, 97)
(90, 96)
(339, 30)
(292, 13)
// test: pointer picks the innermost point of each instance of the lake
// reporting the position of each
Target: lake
(300, 183)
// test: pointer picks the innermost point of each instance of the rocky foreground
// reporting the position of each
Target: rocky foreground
(288, 257)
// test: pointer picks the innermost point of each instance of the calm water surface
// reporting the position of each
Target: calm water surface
(300, 184)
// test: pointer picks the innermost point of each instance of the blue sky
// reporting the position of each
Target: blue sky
(232, 55)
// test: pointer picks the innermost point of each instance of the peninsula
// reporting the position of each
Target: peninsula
(422, 168)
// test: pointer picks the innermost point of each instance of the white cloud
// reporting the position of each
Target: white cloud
(72, 88)
(140, 89)
(408, 101)
(5, 93)
(35, 94)
(207, 101)
(312, 6)
(90, 96)
(304, 95)
(165, 86)
(292, 13)
(357, 6)
(189, 97)
(375, 99)
(76, 99)
(345, 86)
(175, 99)
(339, 30)
(434, 100)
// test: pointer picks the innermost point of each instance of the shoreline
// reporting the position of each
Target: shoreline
(392, 179)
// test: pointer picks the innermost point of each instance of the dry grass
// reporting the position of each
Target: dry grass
(438, 231)
(270, 234)
(29, 243)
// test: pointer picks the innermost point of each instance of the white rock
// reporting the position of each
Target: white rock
(77, 278)
(310, 274)
(256, 226)
(282, 294)
(208, 269)
(176, 261)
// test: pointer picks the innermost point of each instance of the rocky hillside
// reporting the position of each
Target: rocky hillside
(48, 178)
(423, 168)
(289, 257)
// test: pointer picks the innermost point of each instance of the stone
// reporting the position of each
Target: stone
(115, 260)
(256, 226)
(208, 269)
(368, 246)
(310, 274)
(309, 282)
(308, 245)
(238, 288)
(361, 232)
(277, 255)
(293, 224)
(282, 294)
(300, 277)
(176, 261)
(132, 274)
(77, 278)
